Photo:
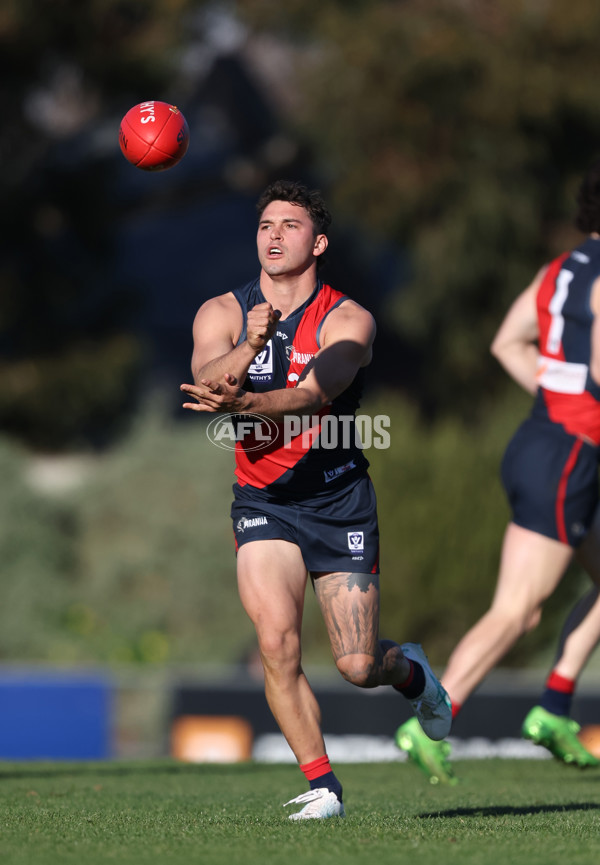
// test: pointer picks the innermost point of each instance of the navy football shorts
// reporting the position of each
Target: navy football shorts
(551, 480)
(337, 532)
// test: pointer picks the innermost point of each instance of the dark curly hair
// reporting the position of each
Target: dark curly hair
(587, 218)
(310, 199)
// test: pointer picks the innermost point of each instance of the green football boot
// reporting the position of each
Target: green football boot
(557, 733)
(431, 757)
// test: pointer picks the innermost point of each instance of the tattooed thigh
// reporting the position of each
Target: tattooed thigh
(350, 607)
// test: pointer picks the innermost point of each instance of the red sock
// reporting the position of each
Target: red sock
(316, 768)
(560, 683)
(456, 707)
(558, 694)
(319, 774)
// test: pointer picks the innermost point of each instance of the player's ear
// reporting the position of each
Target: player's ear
(321, 244)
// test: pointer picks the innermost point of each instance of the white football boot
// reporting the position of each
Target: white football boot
(318, 805)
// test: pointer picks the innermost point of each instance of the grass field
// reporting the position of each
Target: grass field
(504, 811)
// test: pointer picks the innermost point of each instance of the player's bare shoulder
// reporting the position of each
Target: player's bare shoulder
(221, 304)
(350, 318)
(538, 279)
(350, 323)
(221, 314)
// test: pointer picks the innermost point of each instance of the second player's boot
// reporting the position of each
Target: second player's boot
(557, 733)
(431, 757)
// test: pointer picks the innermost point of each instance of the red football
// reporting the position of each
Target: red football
(154, 135)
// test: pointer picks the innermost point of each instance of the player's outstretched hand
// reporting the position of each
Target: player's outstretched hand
(212, 396)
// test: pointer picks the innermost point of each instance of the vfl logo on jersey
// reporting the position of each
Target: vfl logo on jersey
(356, 542)
(250, 523)
(261, 368)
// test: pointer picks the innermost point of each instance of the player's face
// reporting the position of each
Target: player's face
(286, 240)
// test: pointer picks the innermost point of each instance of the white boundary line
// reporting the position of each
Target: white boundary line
(272, 748)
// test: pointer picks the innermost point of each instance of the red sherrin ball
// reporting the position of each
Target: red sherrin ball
(154, 136)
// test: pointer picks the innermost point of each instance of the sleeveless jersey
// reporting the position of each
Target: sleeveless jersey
(567, 394)
(302, 456)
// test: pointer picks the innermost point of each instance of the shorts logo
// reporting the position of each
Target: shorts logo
(332, 474)
(261, 368)
(356, 542)
(249, 523)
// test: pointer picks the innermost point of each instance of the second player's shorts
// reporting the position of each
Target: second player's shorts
(551, 480)
(334, 533)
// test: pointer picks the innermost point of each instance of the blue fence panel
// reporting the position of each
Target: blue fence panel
(54, 716)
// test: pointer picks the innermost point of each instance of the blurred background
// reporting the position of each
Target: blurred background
(448, 137)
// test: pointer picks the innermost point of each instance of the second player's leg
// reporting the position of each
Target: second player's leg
(579, 636)
(531, 567)
(581, 632)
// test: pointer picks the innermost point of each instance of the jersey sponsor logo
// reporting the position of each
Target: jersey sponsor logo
(303, 357)
(282, 335)
(261, 368)
(356, 542)
(250, 523)
(560, 376)
(332, 474)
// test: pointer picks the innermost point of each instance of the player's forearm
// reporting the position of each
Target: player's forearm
(278, 404)
(236, 362)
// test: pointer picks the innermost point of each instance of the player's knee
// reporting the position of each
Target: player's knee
(524, 620)
(359, 670)
(532, 620)
(279, 649)
(515, 621)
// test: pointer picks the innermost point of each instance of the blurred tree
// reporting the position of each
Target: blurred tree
(456, 130)
(453, 132)
(69, 354)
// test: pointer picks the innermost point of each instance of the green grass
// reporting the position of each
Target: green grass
(516, 812)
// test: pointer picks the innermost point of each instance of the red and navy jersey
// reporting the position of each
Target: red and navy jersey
(302, 456)
(567, 394)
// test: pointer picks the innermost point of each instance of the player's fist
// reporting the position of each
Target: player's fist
(261, 323)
